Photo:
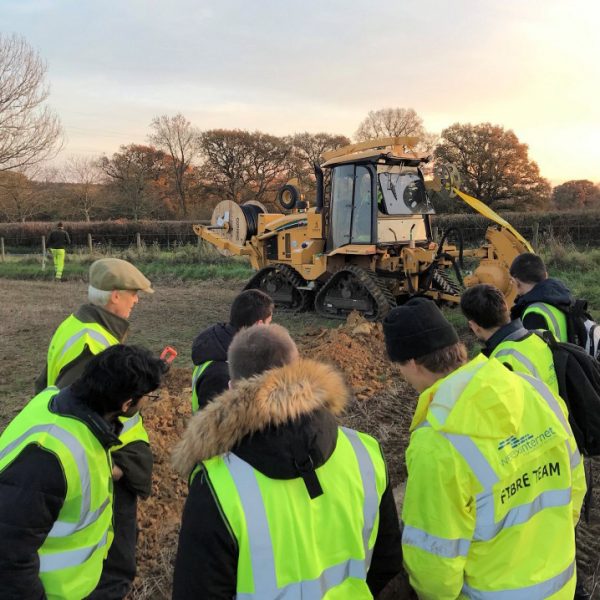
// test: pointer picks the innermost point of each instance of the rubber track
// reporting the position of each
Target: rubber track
(441, 281)
(383, 297)
(292, 277)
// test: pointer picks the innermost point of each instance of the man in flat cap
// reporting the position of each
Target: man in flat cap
(114, 285)
(495, 481)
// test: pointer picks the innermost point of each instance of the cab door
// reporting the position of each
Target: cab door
(351, 206)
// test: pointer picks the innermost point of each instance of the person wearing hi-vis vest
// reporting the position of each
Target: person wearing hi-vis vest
(57, 242)
(495, 481)
(282, 501)
(542, 301)
(209, 350)
(56, 496)
(514, 346)
(113, 290)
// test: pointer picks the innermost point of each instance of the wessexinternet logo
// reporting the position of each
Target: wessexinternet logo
(514, 442)
(524, 444)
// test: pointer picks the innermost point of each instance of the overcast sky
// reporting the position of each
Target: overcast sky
(289, 65)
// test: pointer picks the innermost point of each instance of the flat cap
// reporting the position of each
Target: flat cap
(115, 274)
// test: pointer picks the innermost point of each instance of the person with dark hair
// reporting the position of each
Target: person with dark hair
(56, 496)
(114, 285)
(542, 302)
(282, 501)
(209, 350)
(495, 481)
(57, 241)
(517, 348)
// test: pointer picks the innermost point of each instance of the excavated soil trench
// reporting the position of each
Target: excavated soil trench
(383, 406)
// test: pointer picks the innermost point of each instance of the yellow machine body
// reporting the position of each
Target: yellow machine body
(368, 245)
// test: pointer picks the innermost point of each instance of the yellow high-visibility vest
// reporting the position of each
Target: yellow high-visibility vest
(494, 490)
(290, 544)
(72, 554)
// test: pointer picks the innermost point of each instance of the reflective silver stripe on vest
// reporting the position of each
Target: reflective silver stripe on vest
(449, 392)
(517, 335)
(259, 538)
(367, 474)
(552, 402)
(130, 423)
(448, 548)
(520, 357)
(549, 314)
(96, 335)
(71, 558)
(542, 389)
(538, 590)
(86, 517)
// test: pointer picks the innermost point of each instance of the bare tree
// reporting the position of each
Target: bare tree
(395, 122)
(133, 170)
(85, 173)
(309, 147)
(176, 136)
(244, 165)
(19, 200)
(30, 132)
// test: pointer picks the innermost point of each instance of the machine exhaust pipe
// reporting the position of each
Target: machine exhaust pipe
(320, 192)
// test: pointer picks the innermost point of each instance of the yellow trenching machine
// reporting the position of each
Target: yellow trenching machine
(367, 244)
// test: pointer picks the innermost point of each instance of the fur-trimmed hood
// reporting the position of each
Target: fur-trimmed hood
(291, 396)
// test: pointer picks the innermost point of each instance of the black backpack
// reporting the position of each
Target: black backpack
(582, 330)
(578, 376)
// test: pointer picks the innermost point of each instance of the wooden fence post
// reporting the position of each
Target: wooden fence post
(2, 249)
(90, 245)
(536, 236)
(138, 241)
(43, 245)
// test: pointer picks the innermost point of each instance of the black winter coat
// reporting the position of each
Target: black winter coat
(207, 556)
(58, 239)
(212, 344)
(550, 291)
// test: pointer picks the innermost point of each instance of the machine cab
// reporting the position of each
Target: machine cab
(378, 203)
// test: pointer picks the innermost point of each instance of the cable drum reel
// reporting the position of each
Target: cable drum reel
(236, 222)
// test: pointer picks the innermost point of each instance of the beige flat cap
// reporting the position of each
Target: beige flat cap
(115, 274)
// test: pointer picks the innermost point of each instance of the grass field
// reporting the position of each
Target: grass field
(187, 299)
(31, 310)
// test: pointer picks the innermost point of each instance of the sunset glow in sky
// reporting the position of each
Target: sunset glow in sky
(301, 65)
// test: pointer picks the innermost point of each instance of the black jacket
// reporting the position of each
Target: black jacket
(212, 344)
(259, 430)
(550, 291)
(514, 328)
(58, 238)
(32, 491)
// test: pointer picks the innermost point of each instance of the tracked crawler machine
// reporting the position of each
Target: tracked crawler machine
(367, 243)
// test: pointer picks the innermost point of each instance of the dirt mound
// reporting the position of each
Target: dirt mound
(159, 517)
(358, 349)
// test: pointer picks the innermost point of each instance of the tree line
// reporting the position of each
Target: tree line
(181, 171)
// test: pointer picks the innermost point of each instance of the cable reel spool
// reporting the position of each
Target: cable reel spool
(235, 222)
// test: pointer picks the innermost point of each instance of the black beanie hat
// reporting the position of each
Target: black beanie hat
(415, 329)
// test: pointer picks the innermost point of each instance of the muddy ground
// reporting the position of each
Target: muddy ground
(382, 406)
